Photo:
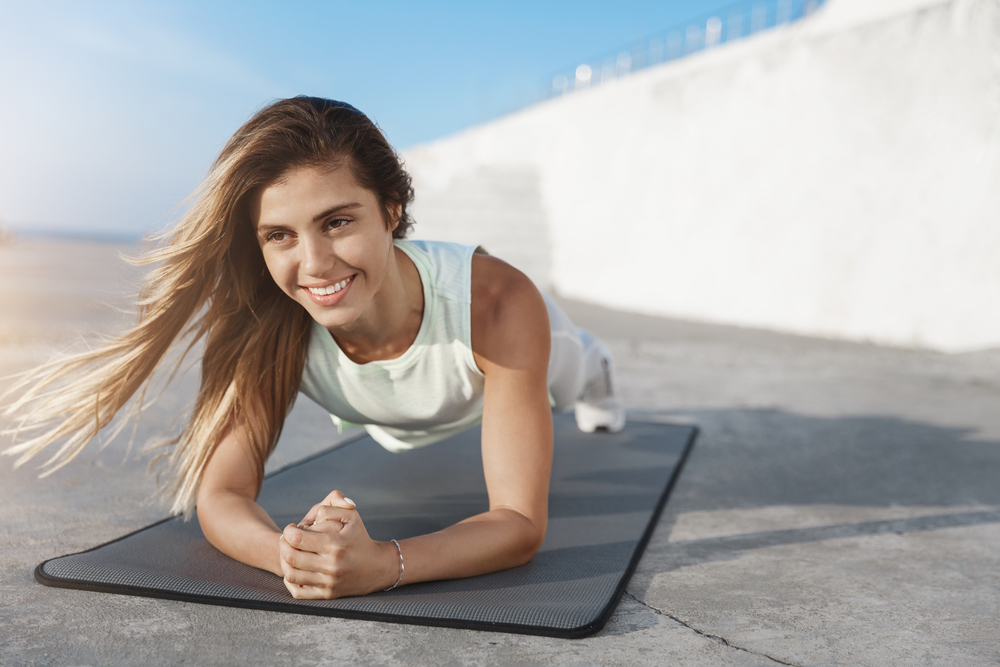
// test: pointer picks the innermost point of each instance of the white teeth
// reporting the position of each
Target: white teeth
(329, 289)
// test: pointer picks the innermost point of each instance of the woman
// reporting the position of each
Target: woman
(292, 266)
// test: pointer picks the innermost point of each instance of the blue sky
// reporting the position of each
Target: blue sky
(111, 112)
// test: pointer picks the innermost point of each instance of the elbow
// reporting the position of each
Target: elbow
(210, 510)
(203, 510)
(531, 540)
(204, 505)
(537, 539)
(530, 552)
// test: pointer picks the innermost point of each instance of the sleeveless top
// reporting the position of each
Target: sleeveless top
(435, 389)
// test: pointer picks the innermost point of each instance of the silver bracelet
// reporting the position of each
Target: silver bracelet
(402, 568)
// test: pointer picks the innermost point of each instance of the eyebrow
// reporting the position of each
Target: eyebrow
(316, 218)
(336, 209)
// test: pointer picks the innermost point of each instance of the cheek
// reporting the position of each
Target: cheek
(279, 270)
(365, 252)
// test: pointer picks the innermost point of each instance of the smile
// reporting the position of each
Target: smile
(330, 289)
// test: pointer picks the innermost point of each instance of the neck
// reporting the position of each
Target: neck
(391, 322)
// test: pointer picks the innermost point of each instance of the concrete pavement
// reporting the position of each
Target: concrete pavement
(841, 507)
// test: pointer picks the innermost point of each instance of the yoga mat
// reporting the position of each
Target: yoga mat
(606, 495)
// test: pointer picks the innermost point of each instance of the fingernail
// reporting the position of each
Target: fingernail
(348, 500)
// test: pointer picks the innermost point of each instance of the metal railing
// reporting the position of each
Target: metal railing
(735, 21)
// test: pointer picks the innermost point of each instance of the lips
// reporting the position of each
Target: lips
(329, 295)
(330, 289)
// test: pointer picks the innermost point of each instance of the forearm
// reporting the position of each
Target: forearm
(487, 542)
(240, 528)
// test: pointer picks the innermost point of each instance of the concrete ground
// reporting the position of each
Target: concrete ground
(841, 507)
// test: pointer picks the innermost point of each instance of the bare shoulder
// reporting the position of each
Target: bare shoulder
(509, 316)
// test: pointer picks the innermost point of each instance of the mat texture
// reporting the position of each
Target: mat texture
(607, 492)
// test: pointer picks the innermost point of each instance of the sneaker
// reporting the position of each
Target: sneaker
(600, 407)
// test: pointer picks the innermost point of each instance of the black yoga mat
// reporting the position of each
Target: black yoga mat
(606, 495)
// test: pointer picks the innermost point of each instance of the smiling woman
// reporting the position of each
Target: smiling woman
(293, 267)
(325, 242)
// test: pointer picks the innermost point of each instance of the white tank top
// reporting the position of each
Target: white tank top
(435, 389)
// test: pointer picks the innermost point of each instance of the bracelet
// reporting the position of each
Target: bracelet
(402, 568)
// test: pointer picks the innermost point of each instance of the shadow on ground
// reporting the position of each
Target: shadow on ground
(755, 459)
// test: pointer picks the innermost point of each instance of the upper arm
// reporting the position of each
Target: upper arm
(511, 339)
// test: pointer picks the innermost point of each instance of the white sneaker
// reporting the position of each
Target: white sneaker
(600, 407)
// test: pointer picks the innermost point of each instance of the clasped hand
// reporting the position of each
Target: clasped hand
(330, 555)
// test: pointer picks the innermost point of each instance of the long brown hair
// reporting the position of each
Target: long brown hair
(210, 283)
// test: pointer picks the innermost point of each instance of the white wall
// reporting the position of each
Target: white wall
(837, 177)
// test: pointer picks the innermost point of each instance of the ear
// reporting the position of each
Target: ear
(395, 210)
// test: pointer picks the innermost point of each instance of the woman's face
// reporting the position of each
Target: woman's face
(324, 241)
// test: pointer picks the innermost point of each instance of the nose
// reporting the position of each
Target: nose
(317, 257)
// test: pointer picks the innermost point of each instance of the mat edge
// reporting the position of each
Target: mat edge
(654, 519)
(288, 608)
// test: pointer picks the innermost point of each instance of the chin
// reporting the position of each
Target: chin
(332, 319)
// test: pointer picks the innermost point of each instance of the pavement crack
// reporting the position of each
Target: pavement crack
(708, 635)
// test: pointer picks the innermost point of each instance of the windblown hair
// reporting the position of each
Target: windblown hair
(210, 282)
